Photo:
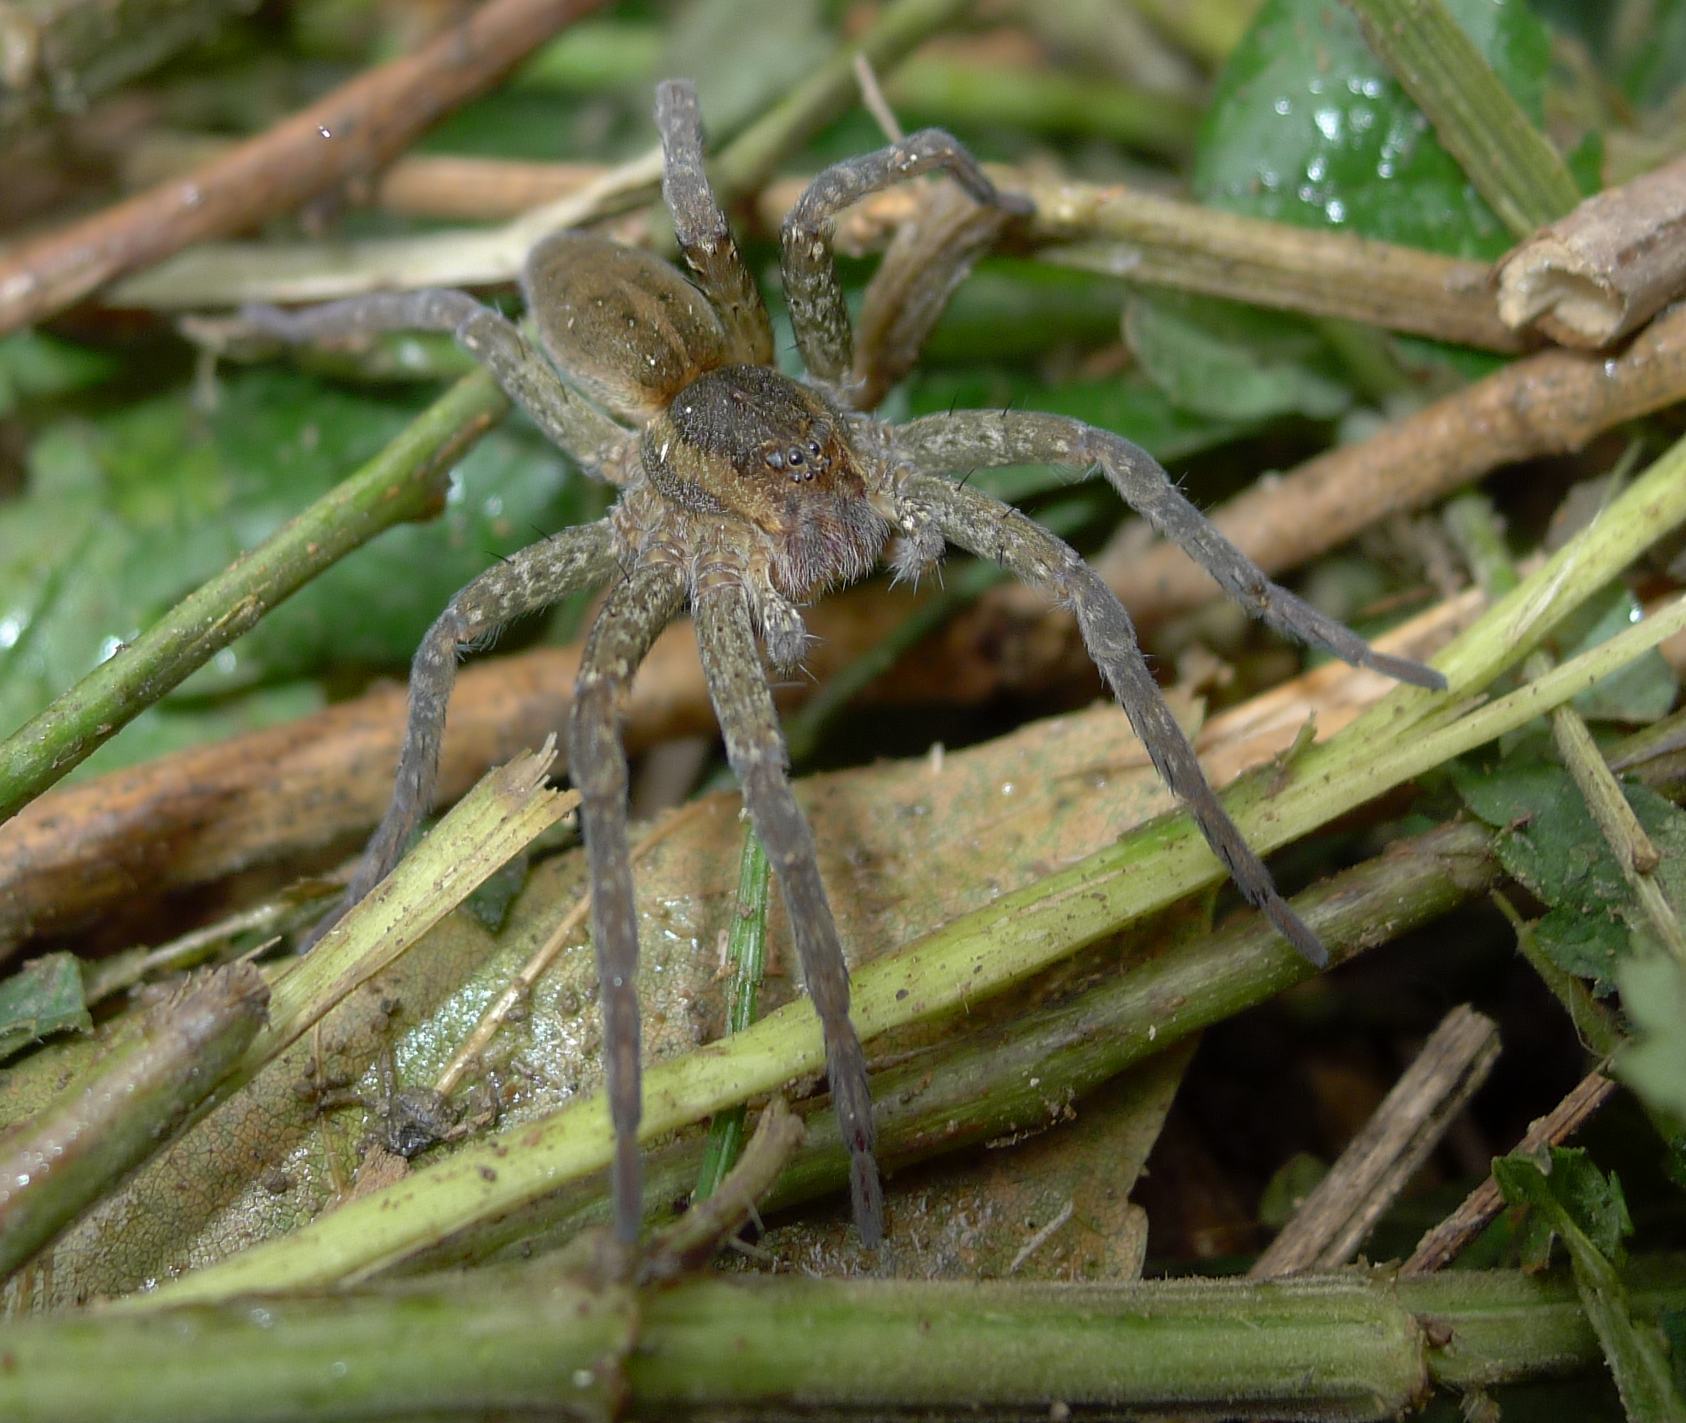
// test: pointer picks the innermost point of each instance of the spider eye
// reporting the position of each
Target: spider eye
(775, 459)
(795, 455)
(813, 447)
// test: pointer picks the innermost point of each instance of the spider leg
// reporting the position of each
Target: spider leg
(975, 439)
(738, 688)
(810, 276)
(928, 258)
(577, 427)
(538, 575)
(705, 240)
(990, 529)
(636, 609)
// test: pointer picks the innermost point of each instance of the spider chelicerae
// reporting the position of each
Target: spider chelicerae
(743, 494)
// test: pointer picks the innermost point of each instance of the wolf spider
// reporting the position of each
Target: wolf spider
(744, 493)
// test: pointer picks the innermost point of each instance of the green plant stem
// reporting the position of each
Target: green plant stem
(1350, 1346)
(1633, 1351)
(1476, 525)
(1207, 28)
(749, 159)
(123, 1108)
(746, 951)
(1595, 1025)
(1018, 1075)
(985, 952)
(405, 481)
(1510, 162)
(946, 90)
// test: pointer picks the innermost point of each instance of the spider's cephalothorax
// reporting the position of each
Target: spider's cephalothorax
(744, 493)
(748, 443)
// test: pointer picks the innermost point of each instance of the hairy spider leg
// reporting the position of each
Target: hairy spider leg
(705, 239)
(537, 576)
(926, 260)
(573, 424)
(984, 440)
(636, 609)
(811, 288)
(985, 526)
(754, 746)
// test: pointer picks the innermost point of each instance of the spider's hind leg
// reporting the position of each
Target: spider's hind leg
(749, 723)
(990, 529)
(575, 426)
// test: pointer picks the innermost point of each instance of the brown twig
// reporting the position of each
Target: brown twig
(1597, 274)
(1551, 403)
(291, 791)
(345, 136)
(1337, 1216)
(1443, 1243)
(1114, 230)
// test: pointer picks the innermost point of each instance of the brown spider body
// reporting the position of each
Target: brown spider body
(745, 493)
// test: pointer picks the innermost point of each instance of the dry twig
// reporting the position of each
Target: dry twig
(347, 135)
(1443, 1243)
(1335, 1218)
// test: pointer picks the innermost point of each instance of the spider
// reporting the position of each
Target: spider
(745, 493)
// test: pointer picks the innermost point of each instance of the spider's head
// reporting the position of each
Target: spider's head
(748, 442)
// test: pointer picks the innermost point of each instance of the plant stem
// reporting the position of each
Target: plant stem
(128, 1104)
(949, 91)
(746, 951)
(749, 159)
(404, 481)
(985, 952)
(1160, 241)
(1512, 165)
(1350, 1346)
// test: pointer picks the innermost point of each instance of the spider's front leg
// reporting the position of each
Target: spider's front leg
(574, 425)
(990, 529)
(811, 288)
(754, 746)
(637, 608)
(977, 439)
(539, 575)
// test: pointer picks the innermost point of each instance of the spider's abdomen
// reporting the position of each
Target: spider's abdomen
(622, 324)
(749, 442)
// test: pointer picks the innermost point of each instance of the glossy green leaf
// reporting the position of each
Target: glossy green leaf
(1642, 691)
(1308, 126)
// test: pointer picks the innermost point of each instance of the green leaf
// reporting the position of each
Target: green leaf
(41, 998)
(128, 511)
(1309, 127)
(1654, 1065)
(1641, 692)
(1227, 361)
(1572, 1200)
(1551, 844)
(33, 363)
